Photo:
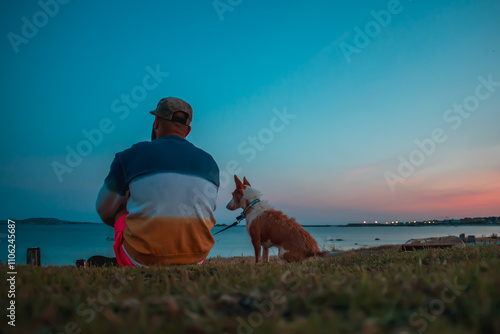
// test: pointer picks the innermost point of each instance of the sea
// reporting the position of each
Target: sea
(62, 244)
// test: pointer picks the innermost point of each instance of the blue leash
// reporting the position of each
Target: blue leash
(240, 217)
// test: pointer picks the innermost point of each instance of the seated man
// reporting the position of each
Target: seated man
(160, 196)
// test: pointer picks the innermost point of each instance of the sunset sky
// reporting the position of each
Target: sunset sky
(336, 111)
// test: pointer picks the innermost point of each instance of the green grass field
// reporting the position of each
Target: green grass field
(431, 291)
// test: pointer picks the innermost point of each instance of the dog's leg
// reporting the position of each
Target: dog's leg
(265, 255)
(256, 247)
(281, 252)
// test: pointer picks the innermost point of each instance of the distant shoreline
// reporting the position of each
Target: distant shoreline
(45, 221)
(411, 225)
(487, 221)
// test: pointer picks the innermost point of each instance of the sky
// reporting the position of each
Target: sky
(336, 111)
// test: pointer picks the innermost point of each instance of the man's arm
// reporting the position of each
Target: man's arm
(112, 199)
(110, 205)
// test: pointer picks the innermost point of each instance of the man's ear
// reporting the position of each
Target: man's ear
(156, 124)
(153, 133)
(188, 131)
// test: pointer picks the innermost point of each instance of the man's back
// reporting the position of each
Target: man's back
(170, 189)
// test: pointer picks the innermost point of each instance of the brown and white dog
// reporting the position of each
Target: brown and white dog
(271, 228)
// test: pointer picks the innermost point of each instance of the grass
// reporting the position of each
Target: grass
(453, 290)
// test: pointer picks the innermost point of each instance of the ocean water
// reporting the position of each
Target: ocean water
(63, 244)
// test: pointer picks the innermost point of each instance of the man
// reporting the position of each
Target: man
(160, 195)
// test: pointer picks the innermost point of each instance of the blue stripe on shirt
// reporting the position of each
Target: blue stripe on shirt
(166, 154)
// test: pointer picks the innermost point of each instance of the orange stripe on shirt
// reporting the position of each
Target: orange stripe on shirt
(168, 240)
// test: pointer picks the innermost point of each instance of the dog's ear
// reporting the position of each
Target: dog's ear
(245, 182)
(239, 185)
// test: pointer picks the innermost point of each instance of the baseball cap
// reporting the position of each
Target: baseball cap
(168, 106)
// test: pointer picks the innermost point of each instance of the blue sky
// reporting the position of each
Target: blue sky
(353, 116)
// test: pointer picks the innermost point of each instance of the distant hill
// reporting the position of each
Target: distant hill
(45, 221)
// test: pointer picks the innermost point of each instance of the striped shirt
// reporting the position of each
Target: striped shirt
(169, 188)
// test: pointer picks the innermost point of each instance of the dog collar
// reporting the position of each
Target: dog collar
(243, 214)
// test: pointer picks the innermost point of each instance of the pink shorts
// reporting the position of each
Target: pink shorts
(121, 257)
